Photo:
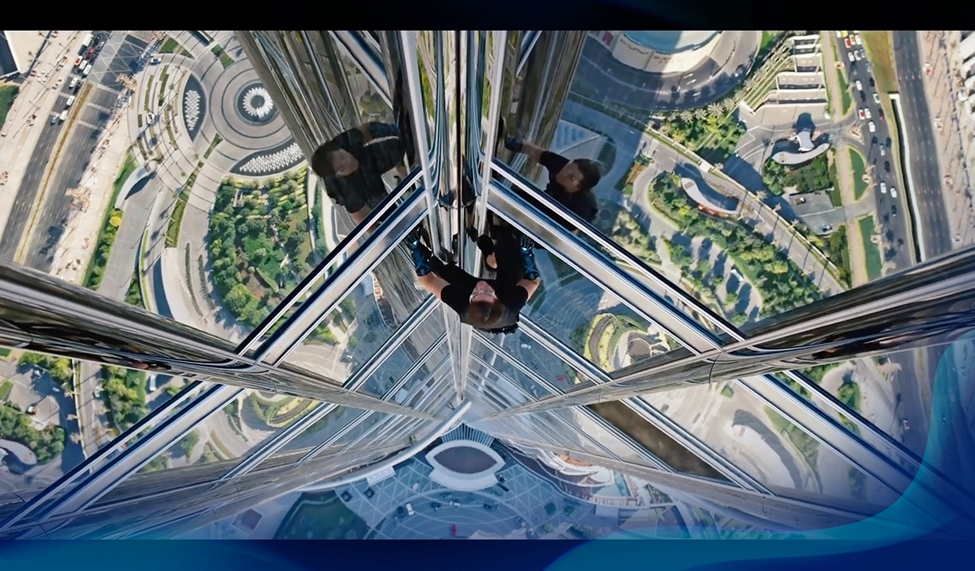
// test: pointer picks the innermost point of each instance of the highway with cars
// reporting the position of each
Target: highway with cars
(919, 132)
(875, 129)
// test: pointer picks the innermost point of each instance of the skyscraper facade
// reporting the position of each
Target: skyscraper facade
(688, 358)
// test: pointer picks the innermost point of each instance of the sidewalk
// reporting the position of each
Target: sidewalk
(953, 133)
(77, 244)
(30, 115)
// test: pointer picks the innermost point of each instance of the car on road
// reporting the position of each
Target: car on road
(893, 192)
(88, 70)
(866, 111)
(78, 60)
(151, 118)
(893, 210)
(869, 68)
(857, 56)
(887, 166)
(54, 119)
(73, 83)
(857, 40)
(859, 85)
(876, 97)
(883, 151)
(880, 114)
(155, 60)
(883, 188)
(863, 114)
(409, 509)
(69, 101)
(850, 55)
(872, 126)
(848, 43)
(62, 116)
(871, 82)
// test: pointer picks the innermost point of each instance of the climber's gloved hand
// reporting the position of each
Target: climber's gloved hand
(513, 144)
(422, 258)
(528, 257)
(381, 130)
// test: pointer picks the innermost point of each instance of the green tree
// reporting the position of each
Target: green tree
(189, 442)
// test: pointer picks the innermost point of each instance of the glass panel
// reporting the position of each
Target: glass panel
(250, 420)
(739, 426)
(438, 362)
(58, 412)
(324, 429)
(368, 316)
(591, 320)
(584, 424)
(404, 357)
(541, 361)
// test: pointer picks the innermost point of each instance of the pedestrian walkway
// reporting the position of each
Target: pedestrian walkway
(953, 132)
(92, 199)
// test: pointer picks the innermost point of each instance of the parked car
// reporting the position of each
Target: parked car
(872, 126)
(859, 85)
(876, 97)
(893, 192)
(409, 509)
(883, 188)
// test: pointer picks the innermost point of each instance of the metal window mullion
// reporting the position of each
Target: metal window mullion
(624, 440)
(527, 45)
(436, 370)
(596, 267)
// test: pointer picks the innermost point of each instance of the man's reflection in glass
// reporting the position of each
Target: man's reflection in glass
(570, 183)
(352, 166)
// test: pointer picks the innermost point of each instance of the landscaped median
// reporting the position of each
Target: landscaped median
(7, 95)
(874, 261)
(110, 225)
(176, 218)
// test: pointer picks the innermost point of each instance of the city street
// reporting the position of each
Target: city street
(616, 83)
(934, 230)
(892, 213)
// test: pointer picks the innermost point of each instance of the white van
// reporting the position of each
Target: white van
(62, 116)
(87, 70)
(70, 101)
(74, 83)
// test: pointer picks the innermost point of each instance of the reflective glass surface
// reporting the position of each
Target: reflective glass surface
(759, 188)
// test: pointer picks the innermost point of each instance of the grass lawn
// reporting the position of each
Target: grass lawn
(176, 220)
(169, 46)
(859, 169)
(213, 144)
(7, 95)
(874, 262)
(845, 88)
(881, 56)
(322, 517)
(163, 78)
(5, 389)
(838, 250)
(148, 91)
(225, 60)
